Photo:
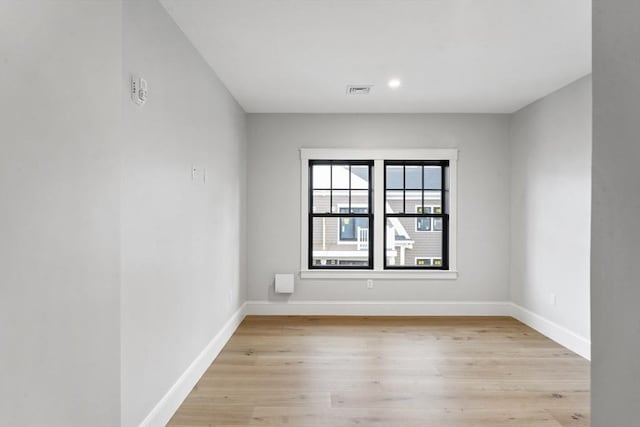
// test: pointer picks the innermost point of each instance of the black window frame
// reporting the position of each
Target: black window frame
(444, 168)
(339, 215)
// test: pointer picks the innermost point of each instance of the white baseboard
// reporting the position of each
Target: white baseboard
(380, 308)
(552, 330)
(171, 401)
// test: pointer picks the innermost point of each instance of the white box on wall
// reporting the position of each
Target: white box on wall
(284, 283)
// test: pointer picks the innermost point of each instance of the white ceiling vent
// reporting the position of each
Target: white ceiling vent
(359, 89)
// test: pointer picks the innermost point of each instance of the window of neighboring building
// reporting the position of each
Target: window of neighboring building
(437, 221)
(423, 224)
(428, 224)
(351, 229)
(425, 262)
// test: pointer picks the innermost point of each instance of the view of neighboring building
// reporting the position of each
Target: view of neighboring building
(345, 240)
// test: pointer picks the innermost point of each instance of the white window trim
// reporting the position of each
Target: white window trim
(378, 156)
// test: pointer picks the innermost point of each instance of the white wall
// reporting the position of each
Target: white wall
(615, 230)
(183, 262)
(551, 206)
(483, 197)
(60, 110)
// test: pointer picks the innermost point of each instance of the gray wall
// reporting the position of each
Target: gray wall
(60, 89)
(615, 231)
(183, 240)
(551, 206)
(483, 197)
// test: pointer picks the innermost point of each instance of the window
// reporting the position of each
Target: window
(340, 214)
(406, 198)
(425, 224)
(351, 227)
(424, 262)
(415, 194)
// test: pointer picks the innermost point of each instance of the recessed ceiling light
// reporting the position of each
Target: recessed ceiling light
(394, 83)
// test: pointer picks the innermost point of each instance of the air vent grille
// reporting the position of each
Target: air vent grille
(359, 89)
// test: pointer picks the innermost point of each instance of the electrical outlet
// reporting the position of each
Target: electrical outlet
(369, 284)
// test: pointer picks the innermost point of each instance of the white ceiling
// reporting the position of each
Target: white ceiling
(451, 55)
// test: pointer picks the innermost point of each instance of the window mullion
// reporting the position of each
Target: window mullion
(378, 215)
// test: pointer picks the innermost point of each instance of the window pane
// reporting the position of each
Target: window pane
(432, 177)
(432, 198)
(351, 228)
(347, 229)
(340, 241)
(395, 178)
(437, 224)
(413, 177)
(359, 201)
(340, 176)
(320, 175)
(413, 200)
(394, 202)
(405, 245)
(423, 224)
(360, 177)
(340, 200)
(321, 201)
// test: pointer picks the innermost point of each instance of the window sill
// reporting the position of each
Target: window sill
(387, 274)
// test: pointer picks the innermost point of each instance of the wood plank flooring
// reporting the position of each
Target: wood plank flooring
(389, 371)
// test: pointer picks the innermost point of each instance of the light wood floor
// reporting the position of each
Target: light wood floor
(390, 371)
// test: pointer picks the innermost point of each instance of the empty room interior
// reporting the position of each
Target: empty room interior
(319, 213)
